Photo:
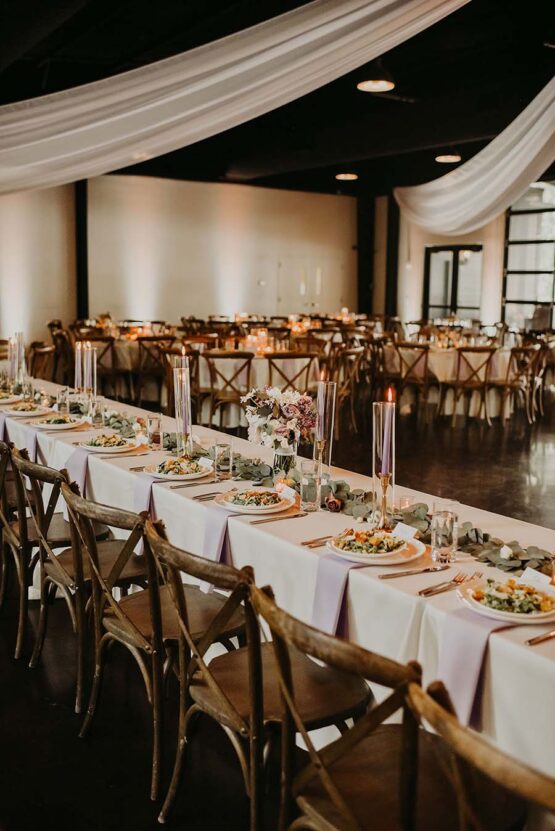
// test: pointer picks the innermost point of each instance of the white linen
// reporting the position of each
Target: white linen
(385, 616)
(109, 124)
(486, 185)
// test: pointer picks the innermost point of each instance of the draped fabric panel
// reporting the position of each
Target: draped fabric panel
(486, 185)
(116, 122)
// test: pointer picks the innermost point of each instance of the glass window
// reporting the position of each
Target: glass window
(532, 226)
(534, 257)
(538, 287)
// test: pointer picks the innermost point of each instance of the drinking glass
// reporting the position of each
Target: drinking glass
(27, 390)
(223, 461)
(97, 411)
(62, 401)
(310, 484)
(154, 430)
(445, 531)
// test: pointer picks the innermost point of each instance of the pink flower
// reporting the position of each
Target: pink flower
(333, 504)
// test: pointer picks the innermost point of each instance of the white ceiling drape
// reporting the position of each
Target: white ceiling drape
(486, 185)
(116, 122)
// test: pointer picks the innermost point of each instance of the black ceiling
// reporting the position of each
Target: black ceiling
(457, 84)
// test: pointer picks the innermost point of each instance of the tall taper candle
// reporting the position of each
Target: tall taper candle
(78, 377)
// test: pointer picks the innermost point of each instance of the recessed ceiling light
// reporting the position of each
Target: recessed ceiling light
(380, 79)
(346, 177)
(448, 158)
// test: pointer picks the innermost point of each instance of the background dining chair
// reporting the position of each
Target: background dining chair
(41, 360)
(293, 370)
(230, 379)
(414, 372)
(239, 690)
(376, 775)
(519, 381)
(151, 368)
(346, 376)
(472, 377)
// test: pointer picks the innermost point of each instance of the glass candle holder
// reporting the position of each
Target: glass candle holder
(325, 421)
(182, 396)
(383, 462)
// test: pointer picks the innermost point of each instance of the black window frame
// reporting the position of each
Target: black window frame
(455, 249)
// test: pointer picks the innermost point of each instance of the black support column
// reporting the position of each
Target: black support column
(392, 257)
(81, 249)
(365, 251)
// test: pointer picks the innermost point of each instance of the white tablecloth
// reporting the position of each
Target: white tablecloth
(385, 616)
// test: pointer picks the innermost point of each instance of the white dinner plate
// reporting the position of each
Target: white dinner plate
(11, 399)
(464, 595)
(178, 477)
(411, 550)
(69, 425)
(28, 413)
(123, 449)
(283, 505)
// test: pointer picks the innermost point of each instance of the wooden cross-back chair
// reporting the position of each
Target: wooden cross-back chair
(519, 380)
(240, 689)
(413, 370)
(493, 790)
(472, 376)
(41, 360)
(144, 622)
(63, 572)
(64, 358)
(346, 375)
(292, 370)
(151, 362)
(376, 776)
(309, 343)
(227, 387)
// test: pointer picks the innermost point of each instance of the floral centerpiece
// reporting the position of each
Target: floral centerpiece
(280, 420)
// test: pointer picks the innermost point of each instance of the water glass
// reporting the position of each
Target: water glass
(223, 461)
(154, 430)
(445, 532)
(27, 389)
(62, 401)
(310, 484)
(97, 411)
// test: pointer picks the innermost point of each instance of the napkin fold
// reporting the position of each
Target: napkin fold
(461, 661)
(77, 466)
(142, 499)
(328, 609)
(2, 425)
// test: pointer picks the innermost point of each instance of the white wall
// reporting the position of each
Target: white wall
(162, 248)
(37, 260)
(412, 243)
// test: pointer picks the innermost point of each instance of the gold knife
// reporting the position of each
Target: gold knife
(541, 638)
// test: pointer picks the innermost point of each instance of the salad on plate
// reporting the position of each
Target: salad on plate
(58, 419)
(368, 542)
(26, 407)
(180, 466)
(106, 441)
(514, 597)
(256, 498)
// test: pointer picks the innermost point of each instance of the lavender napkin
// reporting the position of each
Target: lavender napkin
(461, 660)
(216, 538)
(77, 467)
(2, 425)
(328, 612)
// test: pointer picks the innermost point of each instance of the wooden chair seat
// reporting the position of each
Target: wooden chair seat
(58, 532)
(323, 694)
(368, 780)
(202, 609)
(108, 551)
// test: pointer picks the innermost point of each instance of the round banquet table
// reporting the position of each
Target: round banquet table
(387, 617)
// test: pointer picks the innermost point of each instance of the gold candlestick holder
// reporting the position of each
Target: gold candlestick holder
(383, 520)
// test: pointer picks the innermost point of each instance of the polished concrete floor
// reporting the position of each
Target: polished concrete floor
(508, 469)
(50, 779)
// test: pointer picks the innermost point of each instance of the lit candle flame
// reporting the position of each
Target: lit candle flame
(389, 394)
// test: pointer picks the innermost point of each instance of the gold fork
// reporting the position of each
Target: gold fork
(459, 578)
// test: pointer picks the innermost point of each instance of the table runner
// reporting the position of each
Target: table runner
(461, 661)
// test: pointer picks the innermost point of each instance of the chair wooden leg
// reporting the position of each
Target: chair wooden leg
(81, 634)
(157, 725)
(96, 685)
(22, 577)
(45, 587)
(186, 718)
(4, 572)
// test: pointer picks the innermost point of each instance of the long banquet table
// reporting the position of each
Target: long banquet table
(385, 616)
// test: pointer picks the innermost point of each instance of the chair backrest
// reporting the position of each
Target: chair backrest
(64, 351)
(5, 461)
(523, 364)
(474, 364)
(309, 343)
(346, 370)
(38, 476)
(290, 634)
(229, 379)
(41, 360)
(413, 361)
(82, 515)
(172, 564)
(292, 370)
(470, 752)
(151, 358)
